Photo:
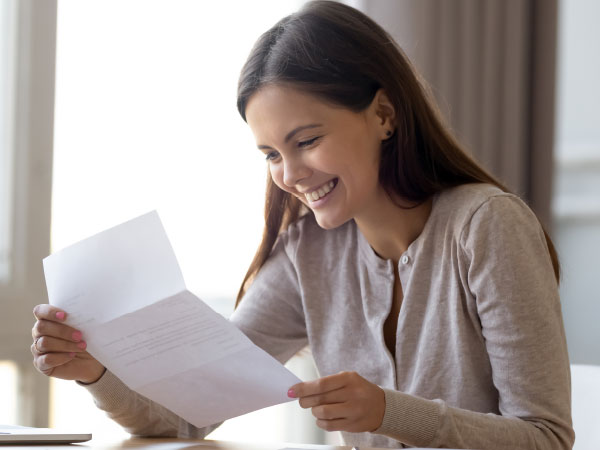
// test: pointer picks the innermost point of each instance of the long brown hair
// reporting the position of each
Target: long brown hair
(340, 55)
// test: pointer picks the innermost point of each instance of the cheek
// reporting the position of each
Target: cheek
(361, 163)
(277, 176)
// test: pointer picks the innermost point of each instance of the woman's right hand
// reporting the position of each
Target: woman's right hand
(59, 350)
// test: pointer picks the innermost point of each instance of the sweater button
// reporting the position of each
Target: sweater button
(405, 259)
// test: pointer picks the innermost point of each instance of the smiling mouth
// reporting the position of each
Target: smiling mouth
(321, 191)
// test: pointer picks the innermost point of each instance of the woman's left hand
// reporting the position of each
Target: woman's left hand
(342, 402)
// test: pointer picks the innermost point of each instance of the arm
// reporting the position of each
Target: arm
(137, 414)
(60, 351)
(512, 281)
(270, 315)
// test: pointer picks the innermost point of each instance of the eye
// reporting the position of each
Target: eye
(308, 142)
(271, 156)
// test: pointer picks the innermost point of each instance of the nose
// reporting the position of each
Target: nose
(294, 170)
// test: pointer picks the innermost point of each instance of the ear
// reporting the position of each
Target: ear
(384, 114)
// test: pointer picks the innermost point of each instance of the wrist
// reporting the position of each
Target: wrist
(92, 379)
(380, 412)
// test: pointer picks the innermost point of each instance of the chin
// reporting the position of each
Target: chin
(328, 223)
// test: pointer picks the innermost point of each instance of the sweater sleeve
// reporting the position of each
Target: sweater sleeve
(511, 279)
(270, 315)
(137, 414)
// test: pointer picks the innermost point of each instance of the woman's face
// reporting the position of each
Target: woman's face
(325, 155)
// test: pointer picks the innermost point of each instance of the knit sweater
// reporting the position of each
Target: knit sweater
(480, 358)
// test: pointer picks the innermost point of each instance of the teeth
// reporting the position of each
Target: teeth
(320, 192)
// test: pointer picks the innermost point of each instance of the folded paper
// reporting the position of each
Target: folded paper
(124, 290)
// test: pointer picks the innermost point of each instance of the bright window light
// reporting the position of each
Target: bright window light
(8, 392)
(146, 119)
(7, 88)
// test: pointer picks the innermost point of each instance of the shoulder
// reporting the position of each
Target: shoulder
(486, 216)
(305, 238)
(466, 213)
(465, 199)
(462, 205)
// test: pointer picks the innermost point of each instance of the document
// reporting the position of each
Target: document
(124, 290)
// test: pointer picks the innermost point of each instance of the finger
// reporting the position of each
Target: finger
(48, 344)
(45, 327)
(337, 396)
(333, 425)
(47, 362)
(49, 312)
(331, 412)
(319, 386)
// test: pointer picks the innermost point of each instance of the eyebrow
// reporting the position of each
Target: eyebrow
(291, 134)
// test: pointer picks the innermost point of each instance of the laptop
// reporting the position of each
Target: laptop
(12, 434)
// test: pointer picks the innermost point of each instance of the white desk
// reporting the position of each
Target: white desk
(175, 444)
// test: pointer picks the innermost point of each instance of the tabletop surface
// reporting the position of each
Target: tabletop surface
(197, 444)
(178, 444)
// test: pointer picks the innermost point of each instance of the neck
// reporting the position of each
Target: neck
(390, 229)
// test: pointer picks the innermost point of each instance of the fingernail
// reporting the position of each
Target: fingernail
(72, 355)
(291, 393)
(60, 315)
(82, 345)
(76, 336)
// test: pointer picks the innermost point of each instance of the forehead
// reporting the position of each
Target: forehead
(277, 100)
(274, 110)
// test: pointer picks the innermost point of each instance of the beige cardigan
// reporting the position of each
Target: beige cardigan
(481, 359)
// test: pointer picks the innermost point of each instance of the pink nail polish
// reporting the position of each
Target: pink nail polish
(76, 336)
(291, 394)
(60, 315)
(82, 345)
(72, 355)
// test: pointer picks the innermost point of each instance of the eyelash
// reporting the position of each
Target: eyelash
(271, 156)
(308, 142)
(301, 144)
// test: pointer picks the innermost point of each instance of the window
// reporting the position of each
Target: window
(577, 189)
(8, 393)
(7, 54)
(146, 119)
(27, 40)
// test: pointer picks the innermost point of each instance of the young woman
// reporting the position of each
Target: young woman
(427, 292)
